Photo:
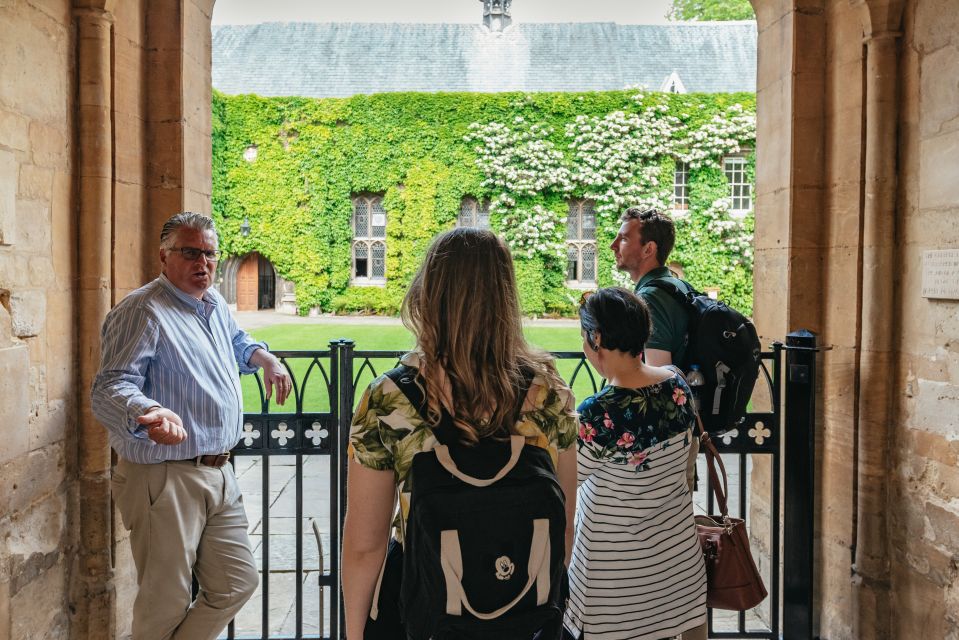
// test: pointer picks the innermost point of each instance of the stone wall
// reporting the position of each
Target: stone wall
(80, 157)
(38, 491)
(850, 193)
(924, 496)
(851, 189)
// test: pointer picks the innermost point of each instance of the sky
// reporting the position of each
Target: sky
(468, 11)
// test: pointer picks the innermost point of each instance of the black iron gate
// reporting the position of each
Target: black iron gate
(296, 457)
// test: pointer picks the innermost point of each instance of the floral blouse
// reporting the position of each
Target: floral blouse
(621, 425)
(388, 431)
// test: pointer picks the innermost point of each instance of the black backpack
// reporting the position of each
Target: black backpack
(725, 345)
(484, 548)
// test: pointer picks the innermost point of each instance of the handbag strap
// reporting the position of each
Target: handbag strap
(712, 458)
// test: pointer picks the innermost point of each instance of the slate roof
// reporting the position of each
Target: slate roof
(343, 59)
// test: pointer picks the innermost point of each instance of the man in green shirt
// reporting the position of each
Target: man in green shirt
(642, 247)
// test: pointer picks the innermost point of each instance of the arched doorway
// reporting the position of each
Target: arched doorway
(255, 284)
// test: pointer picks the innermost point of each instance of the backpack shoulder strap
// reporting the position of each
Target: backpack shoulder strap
(405, 378)
(682, 297)
(409, 383)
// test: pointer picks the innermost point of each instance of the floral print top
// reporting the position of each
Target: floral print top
(621, 425)
(388, 431)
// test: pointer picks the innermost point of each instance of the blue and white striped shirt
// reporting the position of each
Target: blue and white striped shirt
(161, 346)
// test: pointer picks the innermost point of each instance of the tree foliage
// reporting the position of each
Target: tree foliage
(711, 10)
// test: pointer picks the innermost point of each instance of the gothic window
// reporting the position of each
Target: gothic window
(681, 186)
(581, 244)
(740, 190)
(369, 240)
(473, 213)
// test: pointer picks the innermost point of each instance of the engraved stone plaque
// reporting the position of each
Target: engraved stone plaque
(940, 274)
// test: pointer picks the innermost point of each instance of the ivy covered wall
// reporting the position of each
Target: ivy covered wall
(290, 166)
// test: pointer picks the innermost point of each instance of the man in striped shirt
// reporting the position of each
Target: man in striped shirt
(168, 392)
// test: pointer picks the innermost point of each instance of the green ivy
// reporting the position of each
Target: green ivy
(313, 155)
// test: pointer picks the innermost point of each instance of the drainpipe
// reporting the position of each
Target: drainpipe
(871, 571)
(93, 590)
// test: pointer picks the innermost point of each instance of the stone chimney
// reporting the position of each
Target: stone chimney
(496, 15)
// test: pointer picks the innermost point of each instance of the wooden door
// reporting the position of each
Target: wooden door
(247, 283)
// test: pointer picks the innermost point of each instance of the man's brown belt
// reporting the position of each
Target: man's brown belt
(213, 460)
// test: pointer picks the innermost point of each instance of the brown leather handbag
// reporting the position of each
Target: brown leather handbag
(732, 579)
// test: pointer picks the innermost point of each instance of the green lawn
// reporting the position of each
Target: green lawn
(303, 337)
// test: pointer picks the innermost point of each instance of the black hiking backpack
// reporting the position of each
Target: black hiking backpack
(484, 547)
(725, 345)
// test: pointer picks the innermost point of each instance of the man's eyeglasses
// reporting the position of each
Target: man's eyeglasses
(192, 253)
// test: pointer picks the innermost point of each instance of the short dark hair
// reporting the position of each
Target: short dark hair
(185, 219)
(654, 226)
(620, 316)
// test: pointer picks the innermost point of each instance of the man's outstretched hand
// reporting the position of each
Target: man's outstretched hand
(163, 426)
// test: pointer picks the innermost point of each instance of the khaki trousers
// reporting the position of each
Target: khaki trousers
(183, 519)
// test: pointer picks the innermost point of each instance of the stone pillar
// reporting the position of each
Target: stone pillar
(178, 85)
(163, 85)
(790, 136)
(93, 592)
(871, 572)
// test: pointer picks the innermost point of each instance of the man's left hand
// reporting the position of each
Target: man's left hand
(274, 375)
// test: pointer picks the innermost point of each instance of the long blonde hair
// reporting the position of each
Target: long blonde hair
(463, 309)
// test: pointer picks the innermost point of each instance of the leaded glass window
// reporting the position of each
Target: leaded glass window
(473, 213)
(581, 244)
(369, 239)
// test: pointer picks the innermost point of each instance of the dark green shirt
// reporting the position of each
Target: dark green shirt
(670, 321)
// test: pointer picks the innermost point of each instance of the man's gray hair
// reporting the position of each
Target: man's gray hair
(187, 220)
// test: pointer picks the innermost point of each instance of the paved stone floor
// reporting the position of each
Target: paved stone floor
(282, 543)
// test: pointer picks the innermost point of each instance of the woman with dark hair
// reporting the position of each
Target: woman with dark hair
(479, 381)
(637, 570)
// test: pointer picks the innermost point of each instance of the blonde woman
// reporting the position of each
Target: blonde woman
(481, 383)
